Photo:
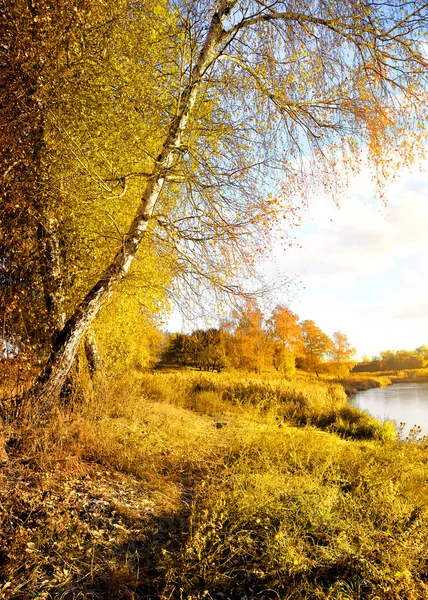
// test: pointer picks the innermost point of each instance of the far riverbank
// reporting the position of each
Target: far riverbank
(360, 382)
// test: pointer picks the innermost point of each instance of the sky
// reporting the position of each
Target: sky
(363, 266)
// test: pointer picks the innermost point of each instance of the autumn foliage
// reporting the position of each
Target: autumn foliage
(251, 342)
(390, 360)
(148, 152)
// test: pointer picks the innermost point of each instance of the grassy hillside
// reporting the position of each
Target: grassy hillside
(182, 485)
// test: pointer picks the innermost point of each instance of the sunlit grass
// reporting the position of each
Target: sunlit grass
(401, 375)
(189, 485)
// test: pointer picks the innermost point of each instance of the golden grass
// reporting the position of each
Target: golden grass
(358, 382)
(187, 485)
(404, 375)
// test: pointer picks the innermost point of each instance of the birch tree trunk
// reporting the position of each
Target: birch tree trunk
(48, 386)
(91, 353)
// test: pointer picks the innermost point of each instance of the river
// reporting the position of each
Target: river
(400, 402)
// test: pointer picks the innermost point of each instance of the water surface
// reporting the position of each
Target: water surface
(400, 402)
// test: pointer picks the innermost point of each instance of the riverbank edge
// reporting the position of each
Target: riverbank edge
(421, 379)
(353, 386)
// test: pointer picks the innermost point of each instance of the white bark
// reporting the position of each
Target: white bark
(91, 353)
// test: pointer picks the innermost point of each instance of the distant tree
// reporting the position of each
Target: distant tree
(342, 355)
(316, 346)
(422, 354)
(209, 354)
(212, 358)
(203, 349)
(227, 330)
(175, 349)
(285, 328)
(253, 345)
(391, 360)
(387, 359)
(286, 334)
(284, 360)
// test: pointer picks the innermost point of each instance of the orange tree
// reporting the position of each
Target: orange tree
(252, 346)
(286, 334)
(316, 347)
(342, 354)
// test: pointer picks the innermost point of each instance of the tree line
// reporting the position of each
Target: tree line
(393, 360)
(252, 342)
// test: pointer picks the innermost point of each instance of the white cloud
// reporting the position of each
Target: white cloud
(364, 266)
(362, 237)
(414, 308)
(412, 277)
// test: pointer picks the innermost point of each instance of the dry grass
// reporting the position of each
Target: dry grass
(358, 382)
(182, 485)
(399, 375)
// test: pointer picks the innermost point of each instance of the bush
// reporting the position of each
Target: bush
(354, 423)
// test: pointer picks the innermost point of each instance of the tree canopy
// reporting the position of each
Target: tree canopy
(253, 341)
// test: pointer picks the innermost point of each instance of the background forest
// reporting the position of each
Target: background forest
(251, 343)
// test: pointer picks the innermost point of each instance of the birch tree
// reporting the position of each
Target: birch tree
(289, 92)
